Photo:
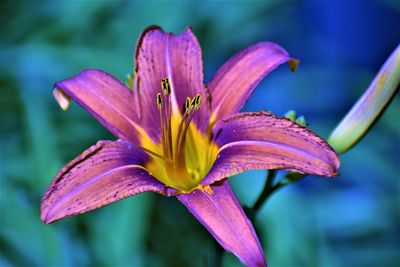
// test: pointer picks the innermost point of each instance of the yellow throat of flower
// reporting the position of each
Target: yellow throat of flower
(184, 155)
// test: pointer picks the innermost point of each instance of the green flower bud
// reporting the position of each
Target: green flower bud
(129, 80)
(291, 114)
(370, 105)
(302, 121)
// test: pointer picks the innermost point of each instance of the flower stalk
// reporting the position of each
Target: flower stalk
(268, 189)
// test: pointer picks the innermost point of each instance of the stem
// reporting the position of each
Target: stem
(270, 188)
(267, 191)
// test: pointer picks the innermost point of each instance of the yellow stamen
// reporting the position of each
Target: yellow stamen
(182, 159)
(166, 87)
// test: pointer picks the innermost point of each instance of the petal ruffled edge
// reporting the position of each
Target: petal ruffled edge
(259, 140)
(106, 172)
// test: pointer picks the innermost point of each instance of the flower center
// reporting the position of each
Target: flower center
(184, 155)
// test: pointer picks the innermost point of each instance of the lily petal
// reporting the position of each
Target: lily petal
(178, 57)
(235, 81)
(259, 140)
(104, 173)
(105, 98)
(220, 212)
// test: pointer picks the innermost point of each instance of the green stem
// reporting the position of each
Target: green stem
(267, 191)
(270, 188)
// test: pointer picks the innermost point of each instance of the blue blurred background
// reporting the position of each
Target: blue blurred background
(351, 220)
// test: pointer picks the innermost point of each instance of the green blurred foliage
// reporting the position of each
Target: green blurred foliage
(351, 220)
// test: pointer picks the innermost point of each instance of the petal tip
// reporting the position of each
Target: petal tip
(189, 30)
(151, 28)
(293, 64)
(44, 217)
(62, 99)
(46, 220)
(44, 211)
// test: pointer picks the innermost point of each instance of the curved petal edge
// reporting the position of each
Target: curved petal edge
(259, 140)
(102, 174)
(105, 98)
(235, 81)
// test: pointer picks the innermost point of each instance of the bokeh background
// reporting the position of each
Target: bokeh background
(351, 220)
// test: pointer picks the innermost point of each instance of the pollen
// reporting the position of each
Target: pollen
(187, 105)
(196, 101)
(207, 189)
(165, 86)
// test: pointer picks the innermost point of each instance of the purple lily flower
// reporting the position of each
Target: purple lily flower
(179, 137)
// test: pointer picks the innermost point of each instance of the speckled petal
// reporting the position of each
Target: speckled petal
(253, 141)
(234, 82)
(178, 57)
(104, 173)
(106, 98)
(220, 212)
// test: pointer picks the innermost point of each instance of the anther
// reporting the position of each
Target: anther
(196, 101)
(159, 101)
(166, 86)
(187, 105)
(193, 103)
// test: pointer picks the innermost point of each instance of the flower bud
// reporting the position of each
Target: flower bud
(371, 104)
(129, 80)
(302, 121)
(291, 114)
